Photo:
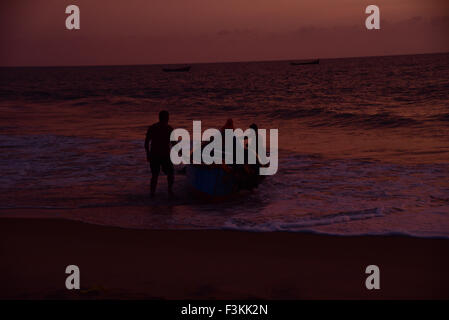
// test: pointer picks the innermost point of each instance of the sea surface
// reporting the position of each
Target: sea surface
(364, 144)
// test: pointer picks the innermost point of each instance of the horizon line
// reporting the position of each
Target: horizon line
(217, 62)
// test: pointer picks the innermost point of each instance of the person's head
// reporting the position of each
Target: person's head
(163, 116)
(228, 125)
(254, 127)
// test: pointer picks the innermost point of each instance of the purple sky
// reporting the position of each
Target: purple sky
(180, 31)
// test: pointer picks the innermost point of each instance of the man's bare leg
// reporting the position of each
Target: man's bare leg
(153, 184)
(170, 181)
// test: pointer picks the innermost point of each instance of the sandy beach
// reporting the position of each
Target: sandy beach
(148, 264)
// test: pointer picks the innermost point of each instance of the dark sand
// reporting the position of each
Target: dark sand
(122, 263)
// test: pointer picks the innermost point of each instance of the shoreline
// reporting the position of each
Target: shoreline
(70, 214)
(119, 263)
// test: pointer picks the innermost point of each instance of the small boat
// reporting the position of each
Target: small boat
(212, 182)
(220, 182)
(183, 69)
(317, 61)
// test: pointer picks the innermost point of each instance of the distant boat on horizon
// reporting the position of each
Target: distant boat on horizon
(183, 69)
(317, 61)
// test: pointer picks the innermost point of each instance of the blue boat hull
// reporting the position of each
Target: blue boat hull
(211, 181)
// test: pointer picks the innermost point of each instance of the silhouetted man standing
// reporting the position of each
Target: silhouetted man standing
(159, 154)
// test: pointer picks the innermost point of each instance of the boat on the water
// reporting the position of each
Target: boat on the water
(211, 181)
(183, 69)
(317, 61)
(217, 182)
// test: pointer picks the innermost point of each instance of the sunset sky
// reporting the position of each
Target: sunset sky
(33, 32)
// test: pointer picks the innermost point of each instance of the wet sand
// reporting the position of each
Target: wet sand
(148, 264)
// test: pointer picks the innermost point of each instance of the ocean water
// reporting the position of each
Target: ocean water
(364, 144)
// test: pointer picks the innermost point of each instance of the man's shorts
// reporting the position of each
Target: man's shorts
(157, 162)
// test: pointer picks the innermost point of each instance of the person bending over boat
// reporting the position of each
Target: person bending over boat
(159, 154)
(249, 172)
(246, 175)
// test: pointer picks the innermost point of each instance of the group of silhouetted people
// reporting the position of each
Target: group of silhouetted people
(158, 155)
